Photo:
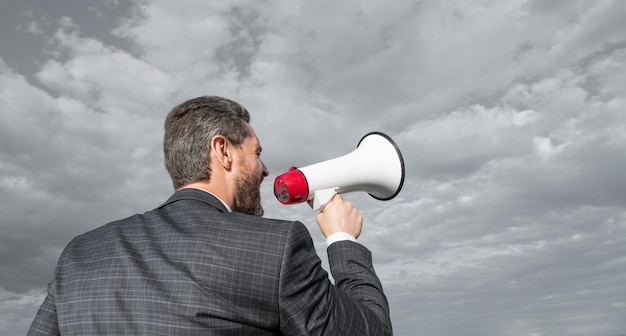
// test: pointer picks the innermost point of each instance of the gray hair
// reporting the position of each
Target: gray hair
(189, 128)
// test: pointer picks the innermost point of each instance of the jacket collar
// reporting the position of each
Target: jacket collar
(198, 195)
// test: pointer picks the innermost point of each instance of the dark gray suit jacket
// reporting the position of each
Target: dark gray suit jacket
(190, 267)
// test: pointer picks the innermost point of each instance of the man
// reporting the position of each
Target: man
(205, 262)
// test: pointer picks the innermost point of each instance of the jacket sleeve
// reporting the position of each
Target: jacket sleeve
(45, 322)
(311, 305)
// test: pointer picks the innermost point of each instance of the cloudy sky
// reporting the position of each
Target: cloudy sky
(510, 116)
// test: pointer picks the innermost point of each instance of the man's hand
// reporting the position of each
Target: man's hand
(340, 216)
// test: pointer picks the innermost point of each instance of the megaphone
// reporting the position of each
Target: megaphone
(376, 166)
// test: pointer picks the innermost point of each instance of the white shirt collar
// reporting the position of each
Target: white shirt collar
(206, 191)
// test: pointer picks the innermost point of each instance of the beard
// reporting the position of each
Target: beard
(248, 194)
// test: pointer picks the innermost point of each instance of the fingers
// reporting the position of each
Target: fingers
(340, 216)
(336, 198)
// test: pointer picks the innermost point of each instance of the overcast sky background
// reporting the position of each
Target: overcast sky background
(510, 116)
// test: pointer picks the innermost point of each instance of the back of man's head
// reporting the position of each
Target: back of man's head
(189, 128)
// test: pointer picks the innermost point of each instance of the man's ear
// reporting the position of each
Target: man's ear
(221, 151)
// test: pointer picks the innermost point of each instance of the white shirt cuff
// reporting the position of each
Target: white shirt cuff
(339, 236)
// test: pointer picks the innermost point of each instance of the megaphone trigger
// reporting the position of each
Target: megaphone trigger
(322, 199)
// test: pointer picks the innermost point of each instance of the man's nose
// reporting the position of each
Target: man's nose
(266, 172)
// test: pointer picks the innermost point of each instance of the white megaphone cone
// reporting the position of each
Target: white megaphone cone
(376, 166)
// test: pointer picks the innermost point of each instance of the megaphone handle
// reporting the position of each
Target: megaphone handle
(321, 198)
